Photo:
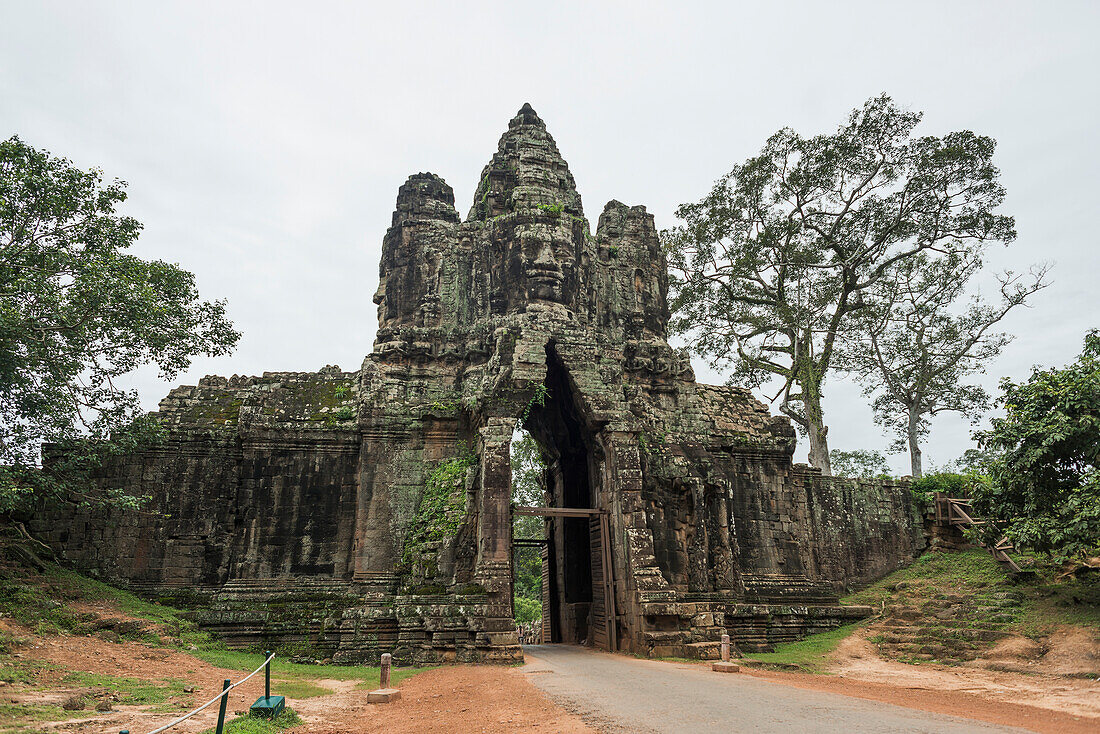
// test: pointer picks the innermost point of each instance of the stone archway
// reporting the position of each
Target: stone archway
(578, 604)
(368, 511)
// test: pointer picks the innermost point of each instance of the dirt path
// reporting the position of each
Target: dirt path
(621, 694)
(1040, 688)
(583, 691)
(453, 700)
(133, 660)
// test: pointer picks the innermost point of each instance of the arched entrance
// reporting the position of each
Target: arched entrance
(577, 591)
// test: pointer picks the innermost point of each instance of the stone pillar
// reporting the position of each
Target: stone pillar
(724, 665)
(494, 542)
(495, 498)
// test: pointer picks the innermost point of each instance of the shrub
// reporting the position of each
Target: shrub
(528, 610)
(1044, 488)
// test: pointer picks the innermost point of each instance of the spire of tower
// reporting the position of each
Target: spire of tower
(526, 171)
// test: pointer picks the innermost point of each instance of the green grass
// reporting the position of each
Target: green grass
(21, 713)
(40, 603)
(809, 654)
(1045, 602)
(299, 672)
(299, 689)
(129, 690)
(396, 676)
(14, 670)
(259, 725)
(9, 642)
(76, 586)
(947, 571)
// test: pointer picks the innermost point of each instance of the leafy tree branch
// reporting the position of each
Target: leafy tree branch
(770, 266)
(76, 313)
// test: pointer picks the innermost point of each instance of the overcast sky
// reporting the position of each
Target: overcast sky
(264, 142)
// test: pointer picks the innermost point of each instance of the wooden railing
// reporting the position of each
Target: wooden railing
(959, 511)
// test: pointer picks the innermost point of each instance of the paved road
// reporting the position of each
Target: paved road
(616, 694)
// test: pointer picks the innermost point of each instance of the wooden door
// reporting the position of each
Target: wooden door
(546, 610)
(603, 596)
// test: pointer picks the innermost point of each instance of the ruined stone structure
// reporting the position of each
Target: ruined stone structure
(369, 511)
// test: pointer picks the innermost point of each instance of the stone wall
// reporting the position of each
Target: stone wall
(358, 512)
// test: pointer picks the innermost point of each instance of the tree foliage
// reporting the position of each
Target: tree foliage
(1044, 478)
(952, 484)
(915, 345)
(861, 463)
(528, 490)
(76, 313)
(528, 609)
(769, 266)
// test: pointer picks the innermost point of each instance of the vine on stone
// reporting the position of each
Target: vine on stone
(441, 509)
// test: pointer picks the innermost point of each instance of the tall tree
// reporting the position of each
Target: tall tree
(769, 266)
(1044, 472)
(76, 313)
(915, 344)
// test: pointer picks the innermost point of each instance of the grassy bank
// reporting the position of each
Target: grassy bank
(809, 655)
(949, 607)
(58, 603)
(301, 674)
(1034, 608)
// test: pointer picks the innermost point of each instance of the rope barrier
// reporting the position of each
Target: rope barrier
(224, 693)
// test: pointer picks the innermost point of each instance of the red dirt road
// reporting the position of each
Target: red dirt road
(461, 699)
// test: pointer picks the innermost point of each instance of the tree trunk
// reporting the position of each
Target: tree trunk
(914, 445)
(816, 429)
(819, 448)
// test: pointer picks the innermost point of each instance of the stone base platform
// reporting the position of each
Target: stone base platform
(383, 695)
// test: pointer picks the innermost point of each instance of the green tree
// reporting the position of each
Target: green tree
(76, 313)
(915, 345)
(860, 463)
(1043, 490)
(973, 461)
(770, 265)
(528, 468)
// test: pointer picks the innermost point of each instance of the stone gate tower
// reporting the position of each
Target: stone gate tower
(360, 512)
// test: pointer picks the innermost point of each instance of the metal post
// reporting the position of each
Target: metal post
(384, 674)
(725, 648)
(221, 711)
(267, 674)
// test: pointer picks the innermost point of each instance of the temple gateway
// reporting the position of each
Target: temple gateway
(355, 513)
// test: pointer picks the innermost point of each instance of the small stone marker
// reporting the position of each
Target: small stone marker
(384, 694)
(724, 665)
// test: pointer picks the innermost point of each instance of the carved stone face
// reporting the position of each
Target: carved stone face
(544, 261)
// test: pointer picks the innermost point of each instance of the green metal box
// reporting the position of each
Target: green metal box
(268, 706)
